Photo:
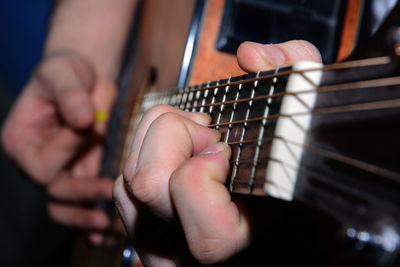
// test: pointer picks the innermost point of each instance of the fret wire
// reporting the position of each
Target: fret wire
(184, 98)
(249, 106)
(204, 98)
(188, 102)
(179, 97)
(231, 117)
(197, 97)
(228, 133)
(221, 107)
(368, 167)
(214, 93)
(334, 66)
(236, 165)
(260, 135)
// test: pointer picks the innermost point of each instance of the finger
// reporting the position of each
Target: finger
(32, 133)
(87, 163)
(170, 140)
(38, 158)
(213, 225)
(125, 204)
(46, 161)
(144, 125)
(104, 96)
(96, 238)
(78, 216)
(67, 80)
(67, 189)
(137, 229)
(253, 57)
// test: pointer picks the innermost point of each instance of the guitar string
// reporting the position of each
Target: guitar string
(260, 183)
(368, 167)
(334, 66)
(391, 81)
(353, 107)
(360, 85)
(242, 184)
(382, 104)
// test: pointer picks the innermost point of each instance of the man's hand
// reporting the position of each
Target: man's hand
(174, 179)
(52, 131)
(52, 134)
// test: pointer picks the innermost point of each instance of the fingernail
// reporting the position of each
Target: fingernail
(273, 54)
(213, 149)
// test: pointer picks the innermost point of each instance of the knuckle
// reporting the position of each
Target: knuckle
(168, 119)
(158, 110)
(144, 188)
(179, 178)
(208, 250)
(46, 70)
(155, 112)
(65, 65)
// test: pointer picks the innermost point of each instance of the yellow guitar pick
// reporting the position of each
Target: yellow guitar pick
(101, 116)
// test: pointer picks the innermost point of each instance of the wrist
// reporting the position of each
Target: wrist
(94, 29)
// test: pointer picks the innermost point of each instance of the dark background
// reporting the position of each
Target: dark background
(27, 236)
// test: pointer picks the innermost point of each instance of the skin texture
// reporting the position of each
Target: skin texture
(51, 132)
(172, 196)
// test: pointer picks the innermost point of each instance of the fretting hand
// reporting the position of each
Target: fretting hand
(172, 195)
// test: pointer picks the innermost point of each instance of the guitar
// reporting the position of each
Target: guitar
(318, 141)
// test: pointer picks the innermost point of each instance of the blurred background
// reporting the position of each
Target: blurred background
(28, 237)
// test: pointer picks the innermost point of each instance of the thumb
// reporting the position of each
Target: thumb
(67, 80)
(253, 57)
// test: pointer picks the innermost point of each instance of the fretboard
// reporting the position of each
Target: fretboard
(266, 117)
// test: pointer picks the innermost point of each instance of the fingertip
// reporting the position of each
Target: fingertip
(297, 50)
(257, 57)
(253, 57)
(200, 118)
(220, 147)
(250, 59)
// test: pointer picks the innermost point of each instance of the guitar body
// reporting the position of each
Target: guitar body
(175, 45)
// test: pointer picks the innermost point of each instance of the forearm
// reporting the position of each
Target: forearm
(94, 29)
